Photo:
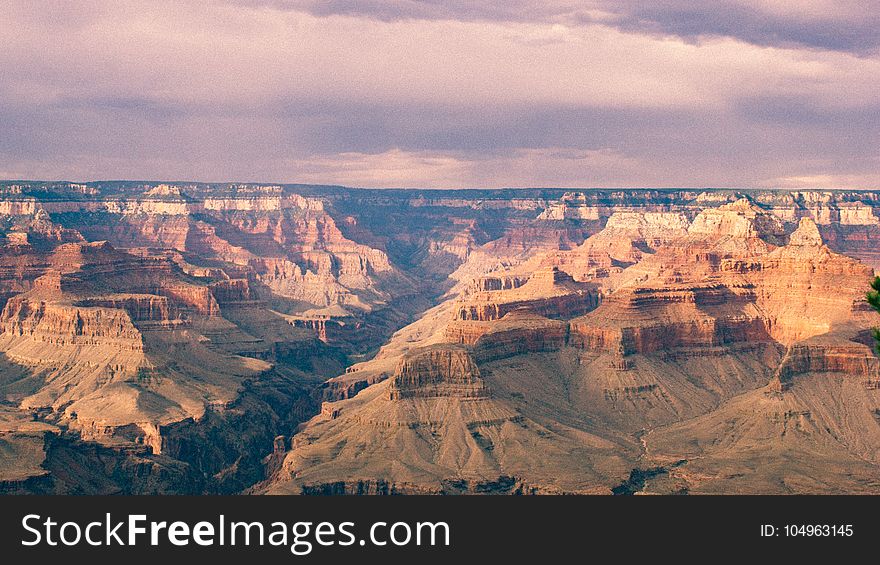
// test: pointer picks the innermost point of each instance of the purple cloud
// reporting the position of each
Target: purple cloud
(841, 25)
(432, 94)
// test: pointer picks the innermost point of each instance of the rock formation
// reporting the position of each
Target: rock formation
(241, 337)
(437, 371)
(699, 315)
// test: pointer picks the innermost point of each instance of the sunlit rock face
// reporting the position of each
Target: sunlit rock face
(656, 320)
(261, 338)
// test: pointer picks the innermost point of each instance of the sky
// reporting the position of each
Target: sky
(444, 94)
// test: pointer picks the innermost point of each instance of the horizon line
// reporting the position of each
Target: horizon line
(429, 189)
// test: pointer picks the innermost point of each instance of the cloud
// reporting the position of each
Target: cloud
(839, 25)
(460, 96)
(866, 181)
(519, 168)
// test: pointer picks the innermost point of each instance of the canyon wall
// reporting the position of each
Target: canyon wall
(198, 336)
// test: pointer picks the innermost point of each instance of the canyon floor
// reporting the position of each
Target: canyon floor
(161, 338)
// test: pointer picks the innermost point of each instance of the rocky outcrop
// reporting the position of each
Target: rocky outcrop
(140, 307)
(196, 299)
(437, 371)
(626, 239)
(232, 291)
(857, 214)
(651, 227)
(19, 207)
(804, 289)
(348, 385)
(59, 324)
(498, 282)
(650, 319)
(519, 334)
(739, 220)
(287, 242)
(556, 306)
(145, 434)
(572, 206)
(788, 294)
(653, 338)
(851, 359)
(806, 235)
(549, 292)
(23, 443)
(287, 279)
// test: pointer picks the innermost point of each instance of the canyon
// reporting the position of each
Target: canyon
(301, 339)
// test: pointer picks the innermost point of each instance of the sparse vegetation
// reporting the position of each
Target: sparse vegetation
(874, 300)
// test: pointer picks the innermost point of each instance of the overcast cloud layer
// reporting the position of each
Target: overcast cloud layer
(765, 93)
